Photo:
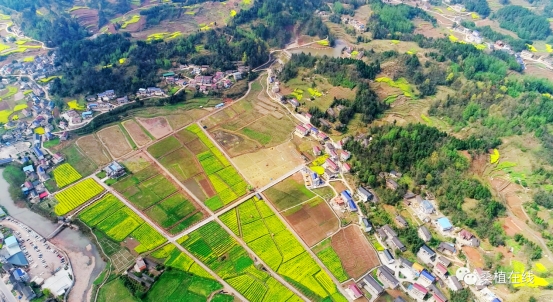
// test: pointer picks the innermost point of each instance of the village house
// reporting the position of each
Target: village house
(294, 102)
(381, 234)
(444, 261)
(426, 207)
(426, 255)
(400, 221)
(345, 155)
(114, 170)
(346, 167)
(333, 155)
(417, 291)
(446, 248)
(366, 224)
(444, 225)
(331, 165)
(406, 267)
(386, 275)
(106, 95)
(467, 238)
(424, 233)
(329, 174)
(389, 231)
(354, 292)
(417, 267)
(316, 151)
(321, 136)
(364, 194)
(389, 257)
(140, 265)
(372, 286)
(391, 184)
(398, 244)
(454, 284)
(301, 131)
(483, 278)
(426, 278)
(437, 294)
(440, 270)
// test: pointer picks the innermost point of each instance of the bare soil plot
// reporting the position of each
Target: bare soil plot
(93, 148)
(115, 141)
(234, 144)
(354, 250)
(473, 255)
(313, 221)
(136, 133)
(157, 126)
(264, 165)
(338, 185)
(87, 18)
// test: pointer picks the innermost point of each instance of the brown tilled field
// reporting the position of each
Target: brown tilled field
(93, 148)
(353, 248)
(87, 18)
(157, 126)
(136, 133)
(115, 141)
(474, 256)
(313, 221)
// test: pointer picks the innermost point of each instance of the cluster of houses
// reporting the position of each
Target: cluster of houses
(352, 53)
(358, 25)
(37, 173)
(40, 67)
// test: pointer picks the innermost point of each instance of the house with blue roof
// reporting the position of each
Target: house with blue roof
(352, 206)
(87, 114)
(444, 224)
(38, 153)
(6, 161)
(427, 207)
(114, 170)
(428, 277)
(28, 169)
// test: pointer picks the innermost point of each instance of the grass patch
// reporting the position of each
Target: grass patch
(288, 193)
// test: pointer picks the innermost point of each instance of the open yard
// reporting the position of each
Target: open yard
(354, 251)
(289, 192)
(262, 166)
(93, 148)
(157, 126)
(115, 141)
(313, 220)
(137, 134)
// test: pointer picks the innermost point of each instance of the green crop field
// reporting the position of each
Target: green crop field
(115, 291)
(280, 250)
(164, 146)
(210, 242)
(65, 174)
(223, 177)
(331, 260)
(188, 221)
(172, 209)
(288, 193)
(149, 192)
(76, 195)
(110, 216)
(76, 158)
(180, 286)
(100, 210)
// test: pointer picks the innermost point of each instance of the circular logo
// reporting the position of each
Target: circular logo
(470, 279)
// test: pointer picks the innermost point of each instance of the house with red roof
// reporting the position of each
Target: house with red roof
(417, 291)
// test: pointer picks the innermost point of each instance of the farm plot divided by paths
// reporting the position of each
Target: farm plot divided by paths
(212, 245)
(136, 132)
(160, 199)
(118, 222)
(354, 251)
(199, 165)
(268, 237)
(158, 126)
(74, 196)
(313, 220)
(328, 256)
(289, 192)
(115, 141)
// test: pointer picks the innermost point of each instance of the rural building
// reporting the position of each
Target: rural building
(386, 275)
(437, 293)
(372, 286)
(294, 102)
(140, 264)
(345, 155)
(400, 221)
(444, 261)
(417, 291)
(426, 254)
(483, 277)
(424, 233)
(426, 207)
(352, 206)
(331, 165)
(86, 114)
(389, 256)
(381, 234)
(322, 136)
(329, 174)
(20, 275)
(38, 153)
(114, 170)
(316, 151)
(364, 194)
(408, 268)
(333, 154)
(446, 248)
(354, 292)
(58, 283)
(389, 231)
(346, 168)
(399, 299)
(427, 277)
(417, 267)
(454, 284)
(301, 131)
(366, 224)
(398, 244)
(444, 224)
(409, 195)
(42, 175)
(467, 238)
(391, 184)
(440, 270)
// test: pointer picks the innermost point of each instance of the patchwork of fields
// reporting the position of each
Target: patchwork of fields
(268, 237)
(160, 199)
(199, 165)
(118, 222)
(210, 242)
(74, 196)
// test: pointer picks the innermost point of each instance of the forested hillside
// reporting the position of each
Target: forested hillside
(523, 22)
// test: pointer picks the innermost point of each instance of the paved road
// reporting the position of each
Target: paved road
(5, 293)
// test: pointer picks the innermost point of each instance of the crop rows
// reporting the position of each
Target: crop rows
(148, 238)
(267, 236)
(76, 195)
(331, 260)
(100, 210)
(236, 268)
(65, 174)
(231, 220)
(117, 221)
